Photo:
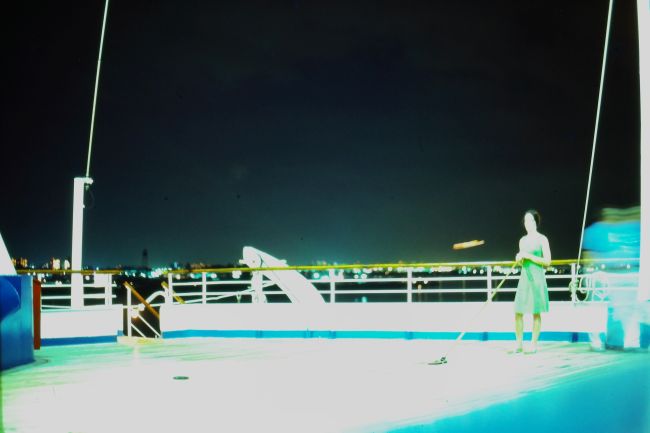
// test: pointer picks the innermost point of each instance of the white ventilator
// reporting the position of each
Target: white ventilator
(293, 283)
(6, 267)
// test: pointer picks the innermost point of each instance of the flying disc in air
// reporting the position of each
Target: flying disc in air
(468, 244)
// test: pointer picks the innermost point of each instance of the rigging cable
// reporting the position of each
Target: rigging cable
(99, 63)
(593, 147)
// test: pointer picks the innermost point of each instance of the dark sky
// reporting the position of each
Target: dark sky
(353, 131)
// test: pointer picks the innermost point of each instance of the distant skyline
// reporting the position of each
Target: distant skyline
(338, 131)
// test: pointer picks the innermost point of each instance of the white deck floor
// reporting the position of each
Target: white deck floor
(273, 385)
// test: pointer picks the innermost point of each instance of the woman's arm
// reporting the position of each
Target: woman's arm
(545, 260)
(520, 256)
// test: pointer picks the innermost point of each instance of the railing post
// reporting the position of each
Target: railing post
(257, 285)
(108, 290)
(489, 283)
(169, 289)
(204, 288)
(574, 283)
(128, 311)
(332, 273)
(409, 285)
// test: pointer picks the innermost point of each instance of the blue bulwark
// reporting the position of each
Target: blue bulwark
(78, 340)
(17, 321)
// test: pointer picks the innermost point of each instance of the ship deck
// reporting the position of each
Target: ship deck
(322, 385)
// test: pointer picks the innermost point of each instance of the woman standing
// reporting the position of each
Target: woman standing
(532, 292)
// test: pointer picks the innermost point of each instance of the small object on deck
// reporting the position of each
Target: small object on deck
(440, 361)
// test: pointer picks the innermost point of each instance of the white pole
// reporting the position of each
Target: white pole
(76, 294)
(643, 14)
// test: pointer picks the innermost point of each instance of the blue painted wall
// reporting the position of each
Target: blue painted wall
(16, 321)
(406, 335)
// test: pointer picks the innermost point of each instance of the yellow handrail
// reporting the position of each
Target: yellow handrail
(327, 267)
(385, 265)
(141, 299)
(174, 294)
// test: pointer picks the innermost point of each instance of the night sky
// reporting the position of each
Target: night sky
(354, 131)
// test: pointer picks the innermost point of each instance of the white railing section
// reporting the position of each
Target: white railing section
(593, 287)
(93, 282)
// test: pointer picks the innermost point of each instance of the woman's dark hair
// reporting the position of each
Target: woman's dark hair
(536, 216)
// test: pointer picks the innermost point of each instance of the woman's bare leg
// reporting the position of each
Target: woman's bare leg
(519, 330)
(537, 327)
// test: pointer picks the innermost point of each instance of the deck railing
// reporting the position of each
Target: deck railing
(409, 283)
(469, 282)
(422, 282)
